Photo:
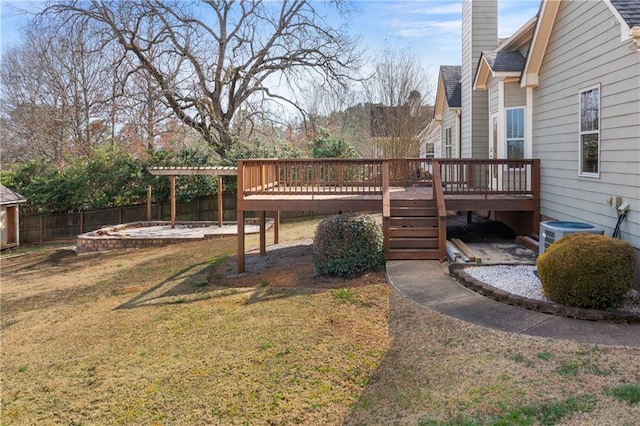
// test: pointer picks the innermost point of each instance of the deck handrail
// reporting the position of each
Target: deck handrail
(438, 196)
(312, 176)
(386, 205)
(459, 176)
(467, 176)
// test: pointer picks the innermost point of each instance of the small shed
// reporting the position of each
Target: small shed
(9, 217)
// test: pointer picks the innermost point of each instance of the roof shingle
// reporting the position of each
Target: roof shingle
(8, 196)
(629, 10)
(451, 75)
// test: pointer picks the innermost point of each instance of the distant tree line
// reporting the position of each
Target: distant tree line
(98, 92)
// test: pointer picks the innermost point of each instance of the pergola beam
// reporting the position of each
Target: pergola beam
(172, 172)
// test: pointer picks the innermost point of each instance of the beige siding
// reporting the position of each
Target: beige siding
(585, 50)
(514, 95)
(479, 32)
(494, 96)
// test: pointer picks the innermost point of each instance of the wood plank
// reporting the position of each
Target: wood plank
(413, 232)
(471, 254)
(414, 211)
(413, 255)
(528, 242)
(408, 203)
(413, 243)
(414, 222)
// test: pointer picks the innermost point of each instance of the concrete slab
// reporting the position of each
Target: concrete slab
(491, 314)
(427, 282)
(421, 280)
(594, 332)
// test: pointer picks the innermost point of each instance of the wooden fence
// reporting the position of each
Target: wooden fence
(38, 229)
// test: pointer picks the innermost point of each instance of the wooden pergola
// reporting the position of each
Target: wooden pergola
(172, 172)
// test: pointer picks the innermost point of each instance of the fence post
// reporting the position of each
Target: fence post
(149, 203)
(41, 229)
(81, 221)
(220, 207)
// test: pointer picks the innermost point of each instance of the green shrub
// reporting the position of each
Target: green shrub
(348, 245)
(587, 270)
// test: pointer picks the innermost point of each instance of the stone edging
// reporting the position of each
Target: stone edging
(457, 271)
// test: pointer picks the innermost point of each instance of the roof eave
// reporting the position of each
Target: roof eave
(541, 36)
(483, 72)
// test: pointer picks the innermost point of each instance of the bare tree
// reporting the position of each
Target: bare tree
(55, 98)
(212, 58)
(398, 90)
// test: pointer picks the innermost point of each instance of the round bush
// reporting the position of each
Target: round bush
(587, 270)
(348, 245)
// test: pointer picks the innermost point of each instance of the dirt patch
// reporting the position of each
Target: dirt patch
(288, 264)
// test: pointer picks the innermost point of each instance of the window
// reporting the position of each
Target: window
(448, 143)
(590, 132)
(428, 150)
(515, 133)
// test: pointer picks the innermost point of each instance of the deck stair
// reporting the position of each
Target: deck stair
(413, 230)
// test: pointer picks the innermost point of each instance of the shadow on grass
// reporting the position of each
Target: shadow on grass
(283, 271)
(189, 285)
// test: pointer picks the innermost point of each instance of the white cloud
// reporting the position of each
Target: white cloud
(427, 28)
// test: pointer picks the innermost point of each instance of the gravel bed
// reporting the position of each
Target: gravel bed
(521, 280)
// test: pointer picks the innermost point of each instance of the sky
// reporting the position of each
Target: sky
(431, 29)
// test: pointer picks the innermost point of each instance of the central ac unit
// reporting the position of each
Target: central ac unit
(552, 231)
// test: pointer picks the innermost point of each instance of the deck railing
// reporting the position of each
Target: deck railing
(306, 176)
(490, 177)
(438, 196)
(364, 176)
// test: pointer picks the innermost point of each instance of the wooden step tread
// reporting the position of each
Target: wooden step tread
(408, 254)
(414, 211)
(399, 232)
(415, 222)
(413, 243)
(413, 203)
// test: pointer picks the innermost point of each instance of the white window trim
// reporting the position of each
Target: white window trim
(580, 132)
(448, 143)
(524, 131)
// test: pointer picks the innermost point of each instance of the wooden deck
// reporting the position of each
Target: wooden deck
(399, 188)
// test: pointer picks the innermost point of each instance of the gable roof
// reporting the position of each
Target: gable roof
(500, 61)
(451, 75)
(8, 196)
(449, 92)
(627, 12)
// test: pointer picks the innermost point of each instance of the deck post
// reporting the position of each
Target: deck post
(240, 241)
(220, 207)
(386, 206)
(173, 201)
(276, 227)
(263, 236)
(240, 217)
(535, 189)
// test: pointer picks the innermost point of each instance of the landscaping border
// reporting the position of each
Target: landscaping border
(457, 270)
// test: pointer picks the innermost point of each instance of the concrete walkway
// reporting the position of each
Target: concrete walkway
(427, 282)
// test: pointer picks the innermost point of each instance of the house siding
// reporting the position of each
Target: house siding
(494, 95)
(476, 38)
(585, 50)
(514, 95)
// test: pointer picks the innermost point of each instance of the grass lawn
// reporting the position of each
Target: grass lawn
(173, 336)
